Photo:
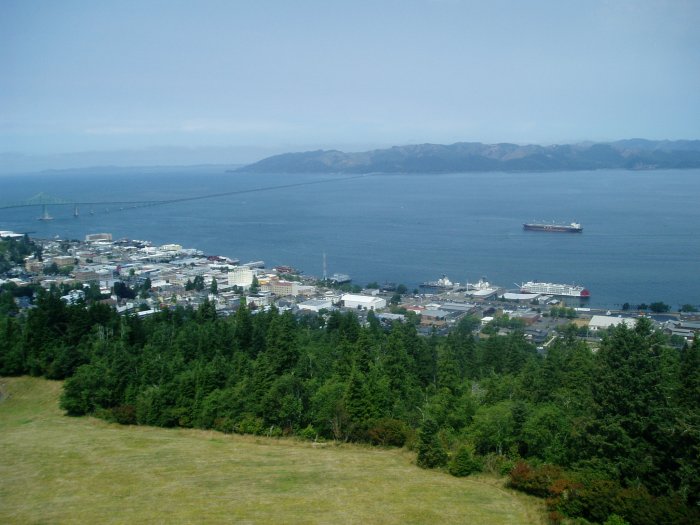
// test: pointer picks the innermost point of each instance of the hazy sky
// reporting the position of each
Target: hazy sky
(285, 75)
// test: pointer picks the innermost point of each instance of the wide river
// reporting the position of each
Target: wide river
(640, 243)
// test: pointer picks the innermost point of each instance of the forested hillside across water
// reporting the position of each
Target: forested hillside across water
(612, 432)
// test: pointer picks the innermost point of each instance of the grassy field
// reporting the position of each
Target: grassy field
(58, 469)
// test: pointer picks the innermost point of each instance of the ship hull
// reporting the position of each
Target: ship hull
(555, 228)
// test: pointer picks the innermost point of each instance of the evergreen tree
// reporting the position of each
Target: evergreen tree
(631, 393)
(464, 463)
(358, 405)
(690, 376)
(431, 453)
(448, 369)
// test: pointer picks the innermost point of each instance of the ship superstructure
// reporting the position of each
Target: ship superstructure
(443, 283)
(570, 290)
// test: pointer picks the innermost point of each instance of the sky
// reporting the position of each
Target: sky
(259, 77)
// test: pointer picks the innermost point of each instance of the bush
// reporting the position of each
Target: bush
(464, 463)
(497, 464)
(309, 433)
(536, 481)
(274, 432)
(614, 519)
(223, 424)
(124, 414)
(597, 498)
(249, 424)
(388, 432)
(555, 517)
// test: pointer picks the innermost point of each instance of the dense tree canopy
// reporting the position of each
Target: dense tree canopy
(626, 415)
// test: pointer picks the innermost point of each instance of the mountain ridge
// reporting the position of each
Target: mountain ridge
(631, 154)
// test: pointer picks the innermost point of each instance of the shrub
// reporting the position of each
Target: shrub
(274, 431)
(555, 517)
(464, 463)
(309, 433)
(388, 432)
(614, 519)
(223, 424)
(536, 481)
(124, 414)
(497, 464)
(249, 424)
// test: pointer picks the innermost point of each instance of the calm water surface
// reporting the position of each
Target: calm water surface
(640, 241)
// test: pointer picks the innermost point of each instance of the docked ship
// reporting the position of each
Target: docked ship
(443, 283)
(482, 289)
(340, 278)
(570, 290)
(573, 227)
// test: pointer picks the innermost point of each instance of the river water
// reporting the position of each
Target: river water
(640, 241)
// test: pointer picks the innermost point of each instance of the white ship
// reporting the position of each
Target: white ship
(482, 288)
(481, 284)
(443, 283)
(570, 290)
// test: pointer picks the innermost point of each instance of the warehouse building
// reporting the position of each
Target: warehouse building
(363, 302)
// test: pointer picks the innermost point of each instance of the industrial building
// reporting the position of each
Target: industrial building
(364, 302)
(602, 322)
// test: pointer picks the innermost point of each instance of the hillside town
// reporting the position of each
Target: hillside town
(136, 277)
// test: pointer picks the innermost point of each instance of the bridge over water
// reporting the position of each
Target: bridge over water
(45, 200)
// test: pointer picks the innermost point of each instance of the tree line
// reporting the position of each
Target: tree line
(615, 431)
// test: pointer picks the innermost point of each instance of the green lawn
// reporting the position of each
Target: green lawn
(58, 469)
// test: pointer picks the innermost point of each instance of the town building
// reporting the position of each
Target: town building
(316, 305)
(33, 265)
(281, 287)
(433, 317)
(241, 276)
(95, 237)
(603, 322)
(364, 302)
(63, 261)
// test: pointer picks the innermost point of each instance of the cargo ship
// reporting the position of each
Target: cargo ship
(573, 227)
(570, 290)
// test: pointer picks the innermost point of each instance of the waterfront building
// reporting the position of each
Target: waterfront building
(602, 322)
(364, 302)
(281, 287)
(94, 237)
(241, 276)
